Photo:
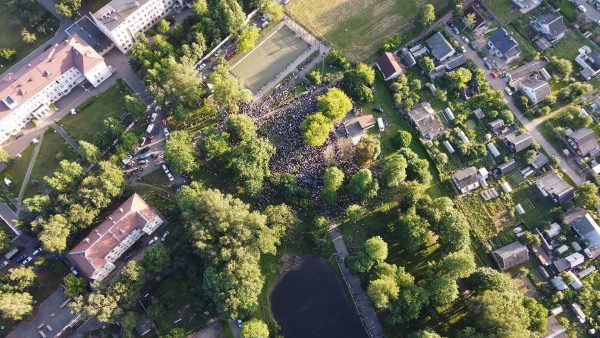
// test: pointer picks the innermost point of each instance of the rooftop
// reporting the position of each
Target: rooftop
(389, 65)
(116, 12)
(439, 47)
(554, 22)
(585, 141)
(554, 184)
(503, 41)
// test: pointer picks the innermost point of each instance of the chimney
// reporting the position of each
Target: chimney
(87, 240)
(97, 232)
(122, 231)
(110, 218)
(121, 209)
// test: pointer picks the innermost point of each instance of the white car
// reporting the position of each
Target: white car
(26, 260)
(127, 159)
(581, 8)
(3, 264)
(464, 50)
(170, 177)
(164, 236)
(73, 111)
(153, 117)
(202, 65)
(164, 168)
(36, 252)
(508, 91)
(166, 132)
(465, 39)
(218, 52)
(153, 240)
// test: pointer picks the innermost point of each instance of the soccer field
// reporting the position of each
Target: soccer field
(357, 27)
(268, 59)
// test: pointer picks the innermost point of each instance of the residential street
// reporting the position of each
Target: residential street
(532, 126)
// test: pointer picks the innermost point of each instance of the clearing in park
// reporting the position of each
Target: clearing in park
(357, 27)
(269, 58)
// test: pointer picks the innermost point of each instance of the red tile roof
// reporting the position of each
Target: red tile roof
(89, 255)
(389, 65)
(29, 80)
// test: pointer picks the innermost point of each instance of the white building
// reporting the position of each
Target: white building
(29, 92)
(122, 20)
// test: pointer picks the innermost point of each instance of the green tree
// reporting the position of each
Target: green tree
(67, 8)
(214, 144)
(249, 163)
(382, 290)
(21, 278)
(247, 39)
(425, 334)
(460, 77)
(315, 77)
(559, 67)
(156, 259)
(7, 54)
(274, 10)
(5, 240)
(135, 107)
(163, 26)
(376, 248)
(228, 91)
(362, 185)
(335, 104)
(394, 170)
(411, 299)
(537, 316)
(357, 82)
(241, 127)
(103, 307)
(315, 129)
(469, 20)
(485, 278)
(179, 152)
(332, 182)
(442, 290)
(176, 332)
(428, 64)
(64, 178)
(27, 36)
(531, 239)
(54, 233)
(586, 195)
(402, 139)
(426, 16)
(128, 323)
(179, 85)
(366, 151)
(412, 230)
(458, 264)
(354, 212)
(15, 306)
(75, 286)
(90, 152)
(499, 314)
(254, 328)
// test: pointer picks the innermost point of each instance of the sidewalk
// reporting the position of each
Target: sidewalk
(34, 156)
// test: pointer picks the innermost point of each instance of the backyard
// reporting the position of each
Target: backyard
(357, 27)
(505, 10)
(12, 22)
(269, 58)
(91, 114)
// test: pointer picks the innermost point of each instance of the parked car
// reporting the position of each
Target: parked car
(166, 131)
(36, 251)
(201, 66)
(127, 256)
(581, 8)
(20, 258)
(3, 264)
(143, 141)
(144, 150)
(455, 30)
(142, 162)
(170, 177)
(218, 52)
(127, 159)
(149, 128)
(494, 75)
(154, 155)
(450, 24)
(164, 168)
(143, 157)
(508, 91)
(153, 240)
(464, 50)
(164, 122)
(473, 46)
(26, 260)
(153, 117)
(465, 39)
(164, 236)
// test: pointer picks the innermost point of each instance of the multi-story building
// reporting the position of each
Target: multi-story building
(28, 93)
(122, 20)
(96, 255)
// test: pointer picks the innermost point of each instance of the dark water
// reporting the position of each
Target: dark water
(310, 302)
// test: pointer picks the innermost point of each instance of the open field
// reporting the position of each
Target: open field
(92, 113)
(505, 10)
(357, 27)
(270, 58)
(16, 169)
(10, 31)
(567, 47)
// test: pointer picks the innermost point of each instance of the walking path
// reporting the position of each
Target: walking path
(25, 182)
(360, 298)
(9, 217)
(59, 129)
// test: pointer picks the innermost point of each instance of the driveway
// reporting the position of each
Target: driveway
(532, 126)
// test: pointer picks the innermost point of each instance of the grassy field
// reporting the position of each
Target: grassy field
(53, 150)
(93, 112)
(270, 58)
(10, 32)
(357, 27)
(16, 169)
(567, 47)
(505, 10)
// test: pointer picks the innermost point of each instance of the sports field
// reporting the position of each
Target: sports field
(269, 58)
(357, 27)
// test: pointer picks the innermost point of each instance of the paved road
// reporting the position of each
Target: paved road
(9, 217)
(532, 126)
(361, 300)
(34, 156)
(591, 11)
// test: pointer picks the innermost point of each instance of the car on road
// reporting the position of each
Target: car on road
(285, 1)
(455, 30)
(127, 256)
(153, 240)
(581, 8)
(164, 168)
(201, 66)
(508, 91)
(218, 52)
(3, 264)
(143, 141)
(164, 236)
(166, 131)
(154, 155)
(26, 260)
(127, 159)
(473, 46)
(20, 258)
(143, 157)
(494, 75)
(156, 131)
(465, 39)
(149, 128)
(170, 177)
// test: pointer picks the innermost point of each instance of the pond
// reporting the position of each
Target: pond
(310, 301)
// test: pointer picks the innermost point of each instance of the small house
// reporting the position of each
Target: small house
(578, 313)
(407, 58)
(569, 262)
(422, 117)
(519, 209)
(558, 283)
(535, 89)
(463, 137)
(586, 272)
(583, 142)
(505, 167)
(554, 329)
(518, 143)
(553, 231)
(550, 25)
(466, 179)
(479, 114)
(511, 255)
(553, 186)
(366, 121)
(439, 47)
(495, 125)
(576, 283)
(540, 161)
(504, 46)
(389, 66)
(586, 228)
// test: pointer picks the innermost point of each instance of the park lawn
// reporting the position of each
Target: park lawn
(567, 47)
(357, 27)
(53, 149)
(394, 123)
(91, 114)
(10, 32)
(17, 168)
(505, 10)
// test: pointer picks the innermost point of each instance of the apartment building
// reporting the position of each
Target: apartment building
(122, 20)
(28, 93)
(95, 255)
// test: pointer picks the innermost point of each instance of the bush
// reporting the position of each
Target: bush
(402, 139)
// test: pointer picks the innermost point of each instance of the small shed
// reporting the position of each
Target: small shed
(554, 230)
(463, 136)
(484, 173)
(558, 283)
(449, 114)
(505, 167)
(493, 150)
(587, 271)
(495, 125)
(448, 147)
(562, 249)
(506, 187)
(576, 246)
(511, 255)
(479, 114)
(519, 209)
(556, 311)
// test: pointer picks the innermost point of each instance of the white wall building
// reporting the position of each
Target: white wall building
(28, 93)
(122, 20)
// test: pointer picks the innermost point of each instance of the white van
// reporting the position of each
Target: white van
(150, 127)
(380, 124)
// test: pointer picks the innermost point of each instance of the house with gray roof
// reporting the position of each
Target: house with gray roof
(589, 60)
(586, 228)
(504, 46)
(583, 142)
(511, 255)
(550, 25)
(554, 187)
(439, 47)
(423, 118)
(518, 143)
(466, 179)
(569, 262)
(535, 89)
